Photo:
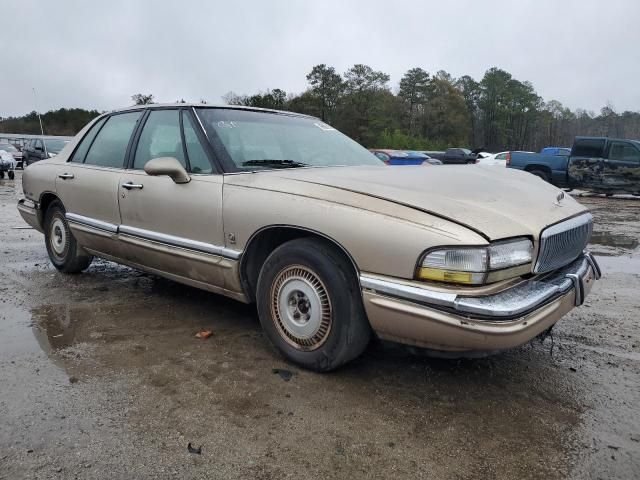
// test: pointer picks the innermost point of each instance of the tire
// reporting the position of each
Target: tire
(11, 174)
(63, 249)
(541, 174)
(1, 175)
(310, 305)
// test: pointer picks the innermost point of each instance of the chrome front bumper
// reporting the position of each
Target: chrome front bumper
(514, 302)
(30, 213)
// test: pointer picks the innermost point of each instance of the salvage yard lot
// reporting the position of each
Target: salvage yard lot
(101, 372)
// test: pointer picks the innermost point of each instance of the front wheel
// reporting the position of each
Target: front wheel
(62, 247)
(11, 174)
(310, 305)
(1, 175)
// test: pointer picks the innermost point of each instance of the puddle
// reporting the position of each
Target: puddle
(622, 264)
(618, 240)
(54, 327)
(15, 335)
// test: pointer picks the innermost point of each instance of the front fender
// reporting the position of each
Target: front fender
(380, 236)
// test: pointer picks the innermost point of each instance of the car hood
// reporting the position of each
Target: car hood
(497, 203)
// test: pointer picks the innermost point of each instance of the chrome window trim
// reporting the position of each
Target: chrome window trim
(180, 242)
(92, 222)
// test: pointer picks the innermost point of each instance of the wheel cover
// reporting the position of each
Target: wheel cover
(58, 237)
(301, 307)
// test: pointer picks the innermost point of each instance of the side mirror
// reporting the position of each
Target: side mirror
(167, 166)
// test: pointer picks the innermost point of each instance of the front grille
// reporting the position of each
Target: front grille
(563, 242)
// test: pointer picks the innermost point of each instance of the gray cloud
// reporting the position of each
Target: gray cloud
(97, 54)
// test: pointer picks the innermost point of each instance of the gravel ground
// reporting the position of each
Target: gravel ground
(101, 377)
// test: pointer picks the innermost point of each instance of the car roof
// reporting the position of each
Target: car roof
(152, 106)
(586, 137)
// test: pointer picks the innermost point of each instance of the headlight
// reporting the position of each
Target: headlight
(472, 265)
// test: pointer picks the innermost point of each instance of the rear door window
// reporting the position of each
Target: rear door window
(110, 145)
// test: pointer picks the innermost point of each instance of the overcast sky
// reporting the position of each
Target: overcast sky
(97, 54)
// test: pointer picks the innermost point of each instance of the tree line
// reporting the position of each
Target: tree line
(434, 111)
(424, 111)
(64, 121)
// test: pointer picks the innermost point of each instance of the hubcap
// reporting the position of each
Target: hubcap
(58, 237)
(301, 307)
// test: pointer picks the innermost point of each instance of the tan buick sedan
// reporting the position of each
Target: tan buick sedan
(332, 245)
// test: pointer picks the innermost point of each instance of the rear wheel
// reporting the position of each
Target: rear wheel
(310, 305)
(11, 174)
(541, 174)
(1, 175)
(62, 247)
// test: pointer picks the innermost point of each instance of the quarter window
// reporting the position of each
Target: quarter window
(160, 137)
(198, 160)
(85, 143)
(110, 145)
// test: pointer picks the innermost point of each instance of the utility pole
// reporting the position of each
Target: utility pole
(40, 119)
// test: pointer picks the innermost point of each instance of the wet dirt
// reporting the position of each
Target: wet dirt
(101, 376)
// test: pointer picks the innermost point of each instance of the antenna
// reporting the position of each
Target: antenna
(40, 119)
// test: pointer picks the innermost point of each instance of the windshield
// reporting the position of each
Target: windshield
(262, 140)
(7, 147)
(55, 145)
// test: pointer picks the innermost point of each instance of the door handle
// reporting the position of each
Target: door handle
(131, 185)
(66, 176)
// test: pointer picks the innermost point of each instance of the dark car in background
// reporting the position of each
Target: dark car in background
(454, 156)
(40, 148)
(427, 158)
(600, 164)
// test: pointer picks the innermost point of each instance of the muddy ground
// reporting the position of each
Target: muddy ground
(101, 377)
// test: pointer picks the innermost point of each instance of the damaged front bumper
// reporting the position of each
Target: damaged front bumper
(435, 318)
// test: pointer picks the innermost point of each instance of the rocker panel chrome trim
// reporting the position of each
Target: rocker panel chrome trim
(92, 222)
(180, 242)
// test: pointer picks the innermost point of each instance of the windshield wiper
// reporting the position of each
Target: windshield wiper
(274, 163)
